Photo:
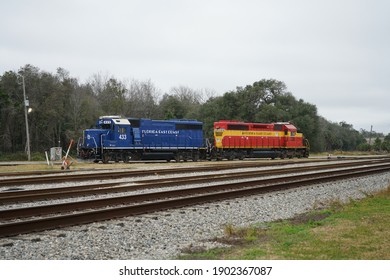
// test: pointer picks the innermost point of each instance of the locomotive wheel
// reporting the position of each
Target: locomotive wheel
(106, 158)
(135, 156)
(195, 157)
(178, 157)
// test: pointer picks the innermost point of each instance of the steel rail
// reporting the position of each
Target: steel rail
(115, 187)
(64, 177)
(46, 172)
(251, 188)
(64, 172)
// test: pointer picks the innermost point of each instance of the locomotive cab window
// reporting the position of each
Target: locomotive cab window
(278, 127)
(122, 130)
(106, 126)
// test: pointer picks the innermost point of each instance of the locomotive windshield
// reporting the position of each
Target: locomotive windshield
(278, 127)
(106, 126)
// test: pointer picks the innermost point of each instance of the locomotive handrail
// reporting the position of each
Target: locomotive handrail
(307, 143)
(101, 144)
(96, 147)
(79, 144)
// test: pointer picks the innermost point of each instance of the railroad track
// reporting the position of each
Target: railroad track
(20, 196)
(144, 203)
(50, 177)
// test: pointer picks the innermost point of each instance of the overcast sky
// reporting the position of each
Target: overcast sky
(331, 53)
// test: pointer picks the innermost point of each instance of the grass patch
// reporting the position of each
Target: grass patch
(358, 230)
(38, 166)
(21, 156)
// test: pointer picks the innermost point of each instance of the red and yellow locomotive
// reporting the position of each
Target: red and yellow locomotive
(235, 139)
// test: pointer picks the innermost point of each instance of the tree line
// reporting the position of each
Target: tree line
(62, 107)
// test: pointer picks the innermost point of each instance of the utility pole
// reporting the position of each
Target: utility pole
(369, 141)
(26, 104)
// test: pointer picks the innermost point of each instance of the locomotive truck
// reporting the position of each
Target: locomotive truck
(122, 139)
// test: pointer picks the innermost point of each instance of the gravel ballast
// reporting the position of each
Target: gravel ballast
(165, 235)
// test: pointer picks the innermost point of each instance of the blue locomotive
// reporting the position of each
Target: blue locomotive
(123, 139)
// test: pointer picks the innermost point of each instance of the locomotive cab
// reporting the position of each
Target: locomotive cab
(119, 134)
(110, 131)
